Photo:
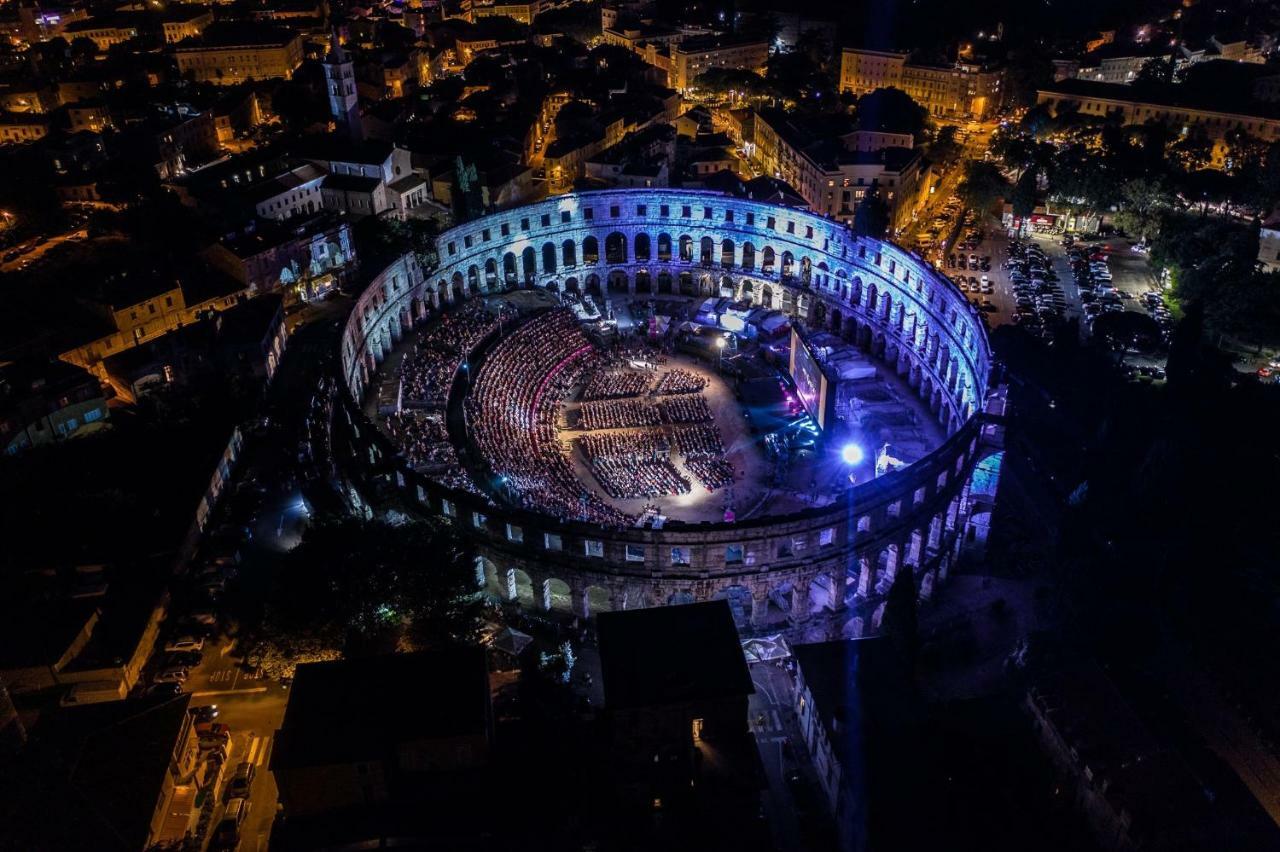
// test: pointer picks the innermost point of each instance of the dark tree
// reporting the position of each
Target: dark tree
(1023, 197)
(899, 624)
(983, 185)
(357, 581)
(892, 110)
(871, 217)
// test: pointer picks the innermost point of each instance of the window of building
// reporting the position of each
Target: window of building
(453, 248)
(588, 214)
(546, 220)
(466, 241)
(642, 210)
(506, 229)
(484, 235)
(615, 211)
(594, 548)
(635, 552)
(679, 556)
(552, 541)
(664, 210)
(728, 215)
(478, 520)
(751, 219)
(771, 223)
(515, 534)
(565, 217)
(706, 212)
(448, 509)
(686, 211)
(733, 554)
(524, 224)
(826, 537)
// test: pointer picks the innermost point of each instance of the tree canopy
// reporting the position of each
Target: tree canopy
(354, 581)
(891, 110)
(982, 185)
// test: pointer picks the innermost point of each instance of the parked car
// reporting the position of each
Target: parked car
(228, 831)
(174, 674)
(241, 782)
(185, 643)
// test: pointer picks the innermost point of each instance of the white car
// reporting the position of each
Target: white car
(173, 675)
(185, 643)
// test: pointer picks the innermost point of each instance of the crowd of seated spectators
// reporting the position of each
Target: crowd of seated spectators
(679, 381)
(626, 479)
(685, 409)
(617, 414)
(615, 384)
(513, 409)
(428, 368)
(703, 453)
(637, 446)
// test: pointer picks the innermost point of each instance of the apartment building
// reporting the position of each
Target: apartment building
(952, 91)
(232, 53)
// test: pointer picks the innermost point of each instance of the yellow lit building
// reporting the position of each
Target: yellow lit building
(228, 54)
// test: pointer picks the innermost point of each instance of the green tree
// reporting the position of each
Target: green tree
(982, 186)
(871, 216)
(1142, 203)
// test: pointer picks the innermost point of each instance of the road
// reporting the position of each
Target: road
(26, 259)
(794, 824)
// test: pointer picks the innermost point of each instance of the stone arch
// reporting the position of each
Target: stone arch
(528, 264)
(473, 278)
(766, 296)
(509, 268)
(726, 252)
(664, 248)
(571, 284)
(726, 286)
(748, 256)
(707, 251)
(664, 282)
(837, 321)
(559, 596)
(686, 284)
(644, 283)
(642, 248)
(569, 253)
(491, 272)
(680, 598)
(617, 281)
(523, 587)
(598, 599)
(820, 314)
(824, 594)
(549, 258)
(593, 284)
(767, 260)
(788, 265)
(615, 248)
(686, 248)
(739, 598)
(456, 286)
(590, 251)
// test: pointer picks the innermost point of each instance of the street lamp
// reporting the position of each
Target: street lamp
(852, 455)
(720, 344)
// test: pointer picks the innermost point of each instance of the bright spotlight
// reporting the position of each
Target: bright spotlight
(851, 453)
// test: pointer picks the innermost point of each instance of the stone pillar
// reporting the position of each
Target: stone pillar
(542, 594)
(866, 576)
(759, 606)
(799, 599)
(509, 585)
(581, 602)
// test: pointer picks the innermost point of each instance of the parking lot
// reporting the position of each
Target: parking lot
(1039, 282)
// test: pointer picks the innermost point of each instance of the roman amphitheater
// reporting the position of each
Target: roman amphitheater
(598, 389)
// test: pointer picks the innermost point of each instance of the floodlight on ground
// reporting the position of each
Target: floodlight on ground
(851, 453)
